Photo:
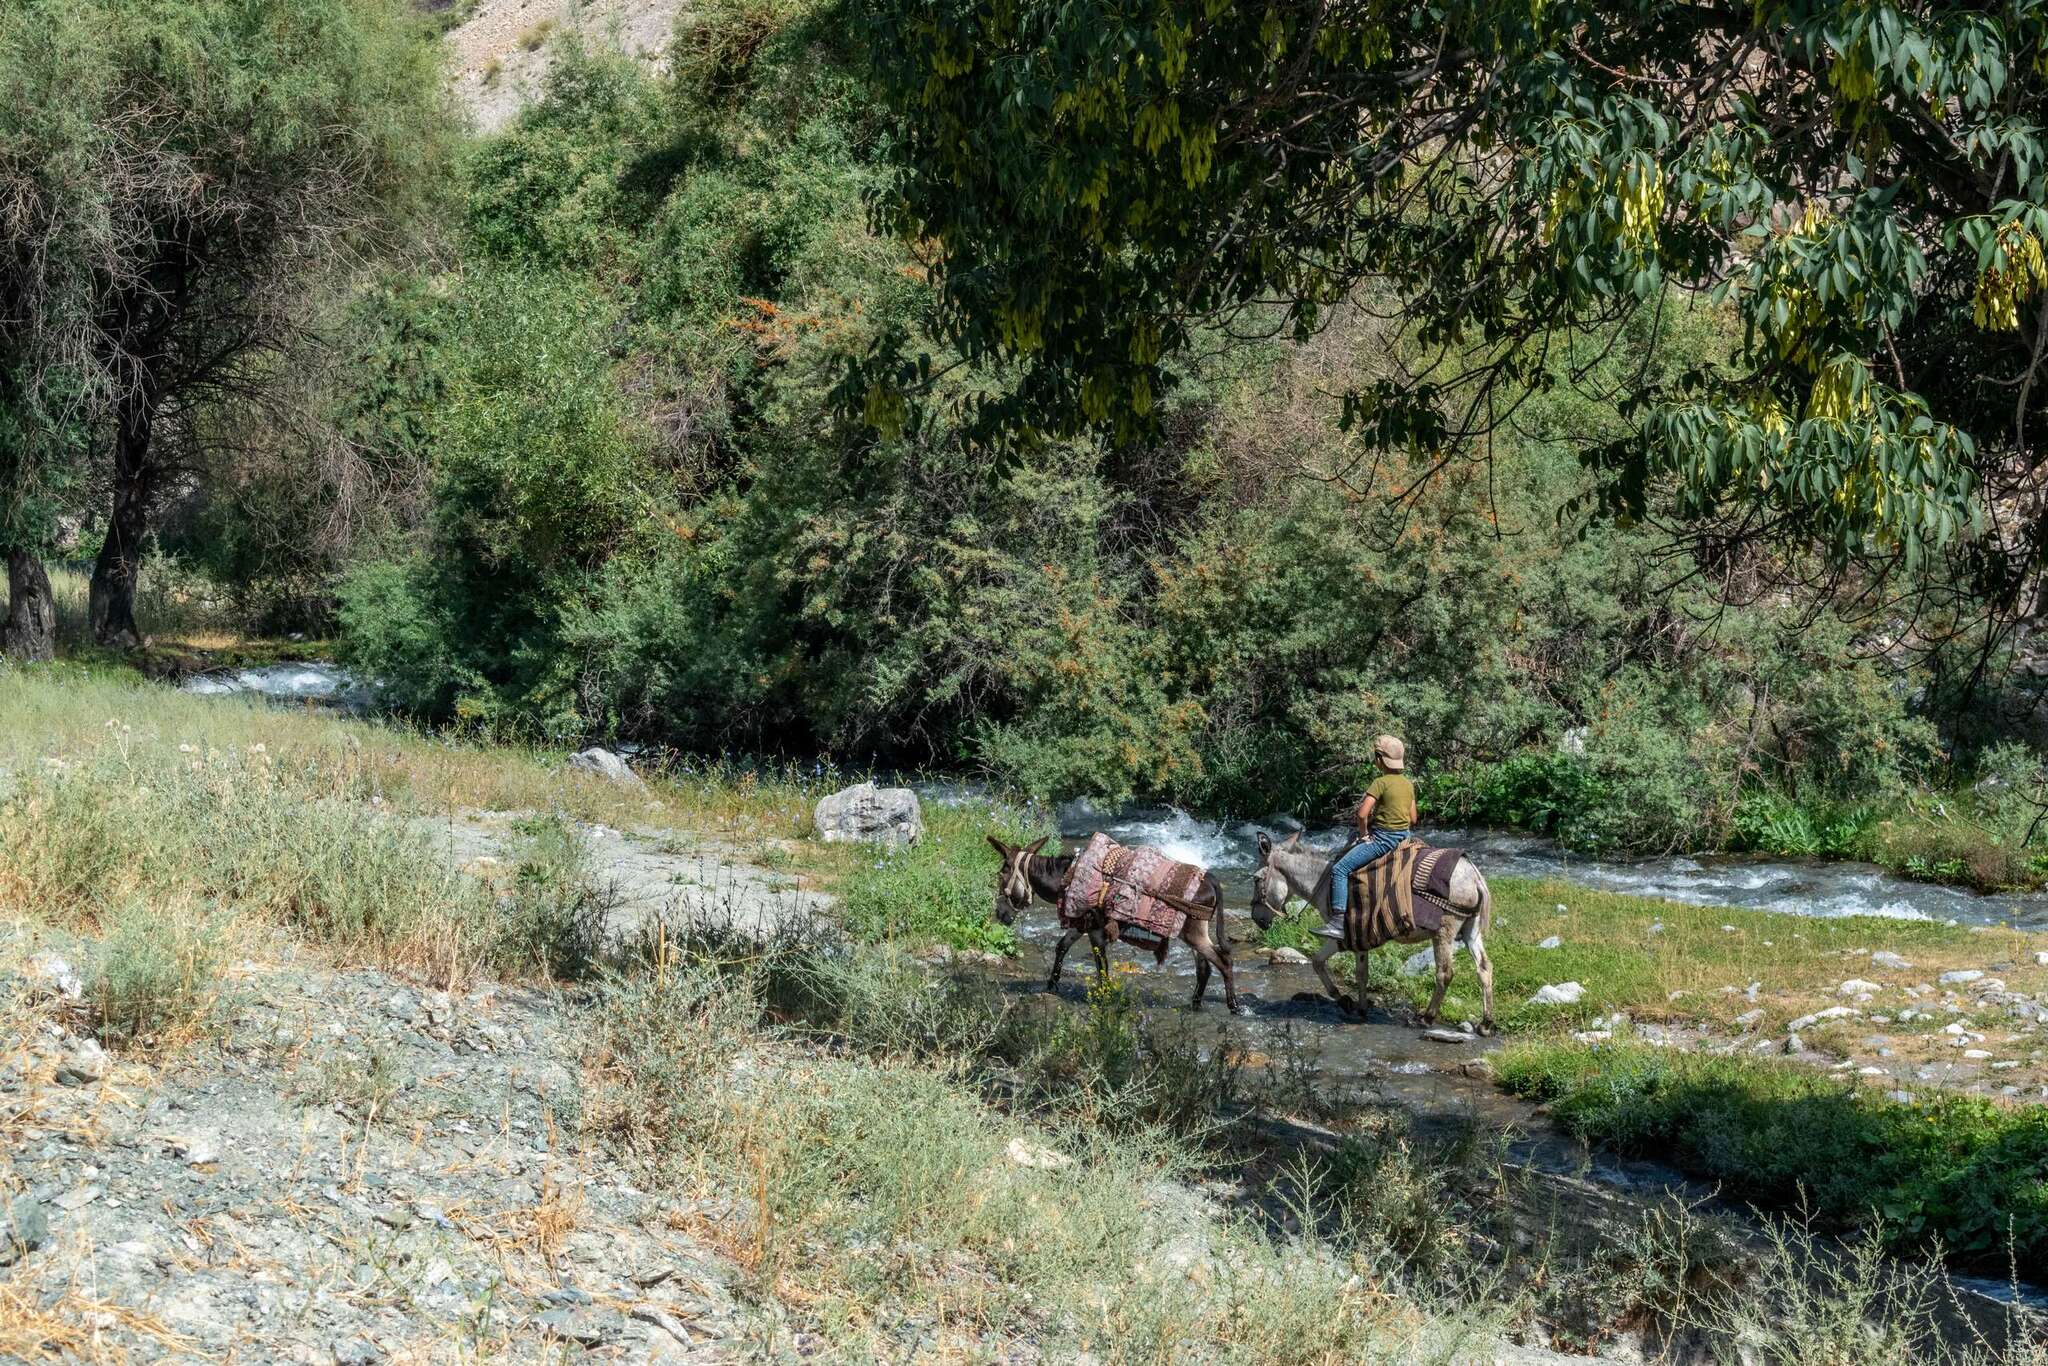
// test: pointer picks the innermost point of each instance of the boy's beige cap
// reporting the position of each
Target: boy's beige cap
(1391, 752)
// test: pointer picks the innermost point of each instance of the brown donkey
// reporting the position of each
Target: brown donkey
(1028, 875)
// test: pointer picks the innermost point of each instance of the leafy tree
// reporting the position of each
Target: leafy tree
(1105, 183)
(218, 153)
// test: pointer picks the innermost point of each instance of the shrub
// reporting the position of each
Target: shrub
(553, 923)
(941, 889)
(155, 975)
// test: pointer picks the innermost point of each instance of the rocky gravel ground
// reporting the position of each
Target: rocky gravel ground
(355, 1170)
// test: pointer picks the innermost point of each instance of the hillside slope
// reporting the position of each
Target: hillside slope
(499, 56)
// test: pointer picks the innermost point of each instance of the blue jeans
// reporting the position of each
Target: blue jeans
(1365, 851)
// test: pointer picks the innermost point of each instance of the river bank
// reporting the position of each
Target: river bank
(204, 808)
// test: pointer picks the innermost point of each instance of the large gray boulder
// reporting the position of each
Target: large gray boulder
(876, 815)
(606, 765)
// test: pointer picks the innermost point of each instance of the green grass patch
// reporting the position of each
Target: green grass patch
(941, 889)
(1666, 960)
(1958, 1174)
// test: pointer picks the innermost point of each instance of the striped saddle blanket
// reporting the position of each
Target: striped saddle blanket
(1402, 894)
(1122, 881)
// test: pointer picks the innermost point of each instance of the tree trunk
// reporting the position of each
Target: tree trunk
(30, 632)
(112, 602)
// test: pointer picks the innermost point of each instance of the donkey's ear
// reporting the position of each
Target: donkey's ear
(1036, 844)
(1292, 840)
(1265, 844)
(999, 846)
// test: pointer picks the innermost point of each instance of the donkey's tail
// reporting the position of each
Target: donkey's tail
(1481, 920)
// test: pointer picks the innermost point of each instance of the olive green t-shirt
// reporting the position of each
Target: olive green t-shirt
(1396, 809)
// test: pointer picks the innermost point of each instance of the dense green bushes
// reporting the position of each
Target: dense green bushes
(640, 509)
(1957, 1172)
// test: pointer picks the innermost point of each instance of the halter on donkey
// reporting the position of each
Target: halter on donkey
(1287, 871)
(1028, 875)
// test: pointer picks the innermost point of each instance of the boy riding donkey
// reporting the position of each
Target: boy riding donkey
(1386, 817)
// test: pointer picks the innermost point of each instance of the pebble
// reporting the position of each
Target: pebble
(1960, 975)
(86, 1063)
(1286, 955)
(1794, 1044)
(1976, 1053)
(1885, 958)
(1855, 986)
(1750, 1017)
(1446, 1036)
(79, 1197)
(1820, 1016)
(26, 1228)
(1558, 994)
(1553, 942)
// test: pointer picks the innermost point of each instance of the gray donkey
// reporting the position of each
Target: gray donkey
(1287, 870)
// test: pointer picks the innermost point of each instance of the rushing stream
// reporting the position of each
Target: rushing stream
(1815, 887)
(312, 682)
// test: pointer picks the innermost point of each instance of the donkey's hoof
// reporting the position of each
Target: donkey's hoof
(1241, 1010)
(1486, 1027)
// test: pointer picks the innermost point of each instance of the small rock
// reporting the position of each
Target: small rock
(1885, 958)
(2041, 959)
(1794, 1044)
(1857, 986)
(1479, 1069)
(1025, 1153)
(1551, 943)
(1975, 1053)
(564, 1297)
(585, 1327)
(606, 765)
(1749, 1017)
(1294, 957)
(1870, 1072)
(1562, 908)
(1592, 1035)
(1558, 994)
(1818, 1016)
(196, 1152)
(86, 1064)
(1959, 976)
(25, 1228)
(79, 1197)
(1446, 1036)
(357, 1352)
(55, 972)
(1657, 927)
